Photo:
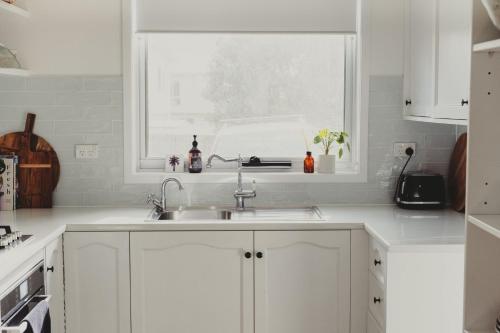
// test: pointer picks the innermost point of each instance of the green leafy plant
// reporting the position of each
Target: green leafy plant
(327, 138)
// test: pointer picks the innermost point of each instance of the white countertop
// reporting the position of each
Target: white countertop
(396, 229)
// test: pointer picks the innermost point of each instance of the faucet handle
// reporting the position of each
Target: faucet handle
(254, 185)
(153, 199)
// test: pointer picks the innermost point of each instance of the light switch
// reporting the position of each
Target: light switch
(86, 152)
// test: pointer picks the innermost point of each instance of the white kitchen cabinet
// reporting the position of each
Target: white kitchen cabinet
(302, 281)
(437, 66)
(187, 282)
(416, 291)
(54, 277)
(97, 282)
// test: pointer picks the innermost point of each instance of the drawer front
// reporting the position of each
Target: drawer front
(378, 260)
(376, 301)
(372, 325)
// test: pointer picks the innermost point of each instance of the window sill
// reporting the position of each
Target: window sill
(151, 177)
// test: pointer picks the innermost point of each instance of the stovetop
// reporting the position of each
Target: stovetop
(11, 238)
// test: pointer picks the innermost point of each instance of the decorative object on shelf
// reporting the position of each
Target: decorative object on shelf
(457, 174)
(327, 138)
(195, 164)
(309, 163)
(174, 164)
(38, 169)
(493, 10)
(8, 58)
(8, 182)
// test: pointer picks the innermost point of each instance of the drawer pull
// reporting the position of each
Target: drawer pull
(377, 300)
(259, 255)
(377, 262)
(248, 255)
(50, 269)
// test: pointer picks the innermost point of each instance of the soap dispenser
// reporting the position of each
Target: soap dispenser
(195, 164)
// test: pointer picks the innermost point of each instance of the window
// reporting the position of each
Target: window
(258, 94)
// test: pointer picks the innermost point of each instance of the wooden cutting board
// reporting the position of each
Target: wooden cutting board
(38, 170)
(457, 174)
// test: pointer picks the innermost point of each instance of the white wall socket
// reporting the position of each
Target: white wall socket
(86, 152)
(400, 148)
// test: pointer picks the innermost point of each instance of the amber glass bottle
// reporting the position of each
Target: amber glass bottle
(309, 163)
(195, 164)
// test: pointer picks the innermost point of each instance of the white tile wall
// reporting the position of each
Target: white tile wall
(72, 110)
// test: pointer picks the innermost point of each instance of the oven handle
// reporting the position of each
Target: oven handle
(23, 326)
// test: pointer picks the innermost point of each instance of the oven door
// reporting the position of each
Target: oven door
(16, 323)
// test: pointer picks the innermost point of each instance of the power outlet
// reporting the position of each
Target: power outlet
(86, 152)
(400, 148)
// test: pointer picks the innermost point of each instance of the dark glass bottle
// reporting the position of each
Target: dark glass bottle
(309, 163)
(195, 164)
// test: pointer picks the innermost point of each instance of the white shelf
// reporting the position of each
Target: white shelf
(12, 8)
(479, 331)
(13, 71)
(488, 223)
(438, 120)
(489, 46)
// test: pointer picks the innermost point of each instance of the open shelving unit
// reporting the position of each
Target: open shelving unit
(482, 268)
(14, 9)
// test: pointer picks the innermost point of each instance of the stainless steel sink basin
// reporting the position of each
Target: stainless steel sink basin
(251, 214)
(194, 214)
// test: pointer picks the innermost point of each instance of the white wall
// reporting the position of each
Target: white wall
(386, 37)
(66, 36)
(84, 36)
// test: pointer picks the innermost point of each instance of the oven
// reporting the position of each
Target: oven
(20, 299)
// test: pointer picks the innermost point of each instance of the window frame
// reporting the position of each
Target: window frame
(141, 170)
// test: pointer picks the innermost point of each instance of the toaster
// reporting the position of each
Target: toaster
(417, 190)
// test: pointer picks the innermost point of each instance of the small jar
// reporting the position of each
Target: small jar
(309, 163)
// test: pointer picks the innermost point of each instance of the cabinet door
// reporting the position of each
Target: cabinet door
(187, 282)
(420, 56)
(302, 281)
(453, 63)
(55, 284)
(97, 282)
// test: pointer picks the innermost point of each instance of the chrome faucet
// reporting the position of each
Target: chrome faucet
(161, 204)
(240, 194)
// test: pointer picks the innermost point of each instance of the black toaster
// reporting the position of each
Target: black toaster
(417, 190)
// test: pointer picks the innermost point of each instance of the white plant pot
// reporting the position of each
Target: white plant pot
(493, 9)
(326, 164)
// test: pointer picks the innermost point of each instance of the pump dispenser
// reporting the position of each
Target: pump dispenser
(195, 164)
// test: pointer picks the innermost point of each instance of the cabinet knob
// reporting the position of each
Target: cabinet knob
(259, 255)
(465, 102)
(408, 102)
(50, 269)
(377, 262)
(377, 300)
(248, 255)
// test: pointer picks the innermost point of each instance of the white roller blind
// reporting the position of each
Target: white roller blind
(246, 15)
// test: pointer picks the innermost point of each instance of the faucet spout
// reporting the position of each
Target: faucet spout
(164, 190)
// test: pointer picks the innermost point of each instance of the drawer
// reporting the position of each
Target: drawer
(376, 301)
(372, 325)
(378, 259)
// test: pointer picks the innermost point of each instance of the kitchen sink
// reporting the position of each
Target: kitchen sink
(194, 214)
(250, 214)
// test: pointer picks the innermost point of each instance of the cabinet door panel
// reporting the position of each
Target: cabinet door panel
(421, 39)
(186, 282)
(97, 282)
(454, 50)
(302, 282)
(55, 284)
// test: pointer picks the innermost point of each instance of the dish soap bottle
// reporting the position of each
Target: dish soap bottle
(309, 163)
(195, 164)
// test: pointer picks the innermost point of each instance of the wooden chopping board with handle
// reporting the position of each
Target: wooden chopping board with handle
(457, 174)
(38, 170)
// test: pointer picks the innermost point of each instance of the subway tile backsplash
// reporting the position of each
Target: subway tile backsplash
(77, 110)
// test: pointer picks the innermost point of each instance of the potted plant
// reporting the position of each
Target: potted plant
(327, 139)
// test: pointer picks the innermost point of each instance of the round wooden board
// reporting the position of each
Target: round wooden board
(457, 174)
